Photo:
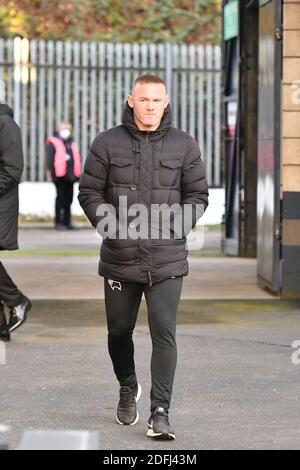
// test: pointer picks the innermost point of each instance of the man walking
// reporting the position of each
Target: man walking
(11, 168)
(63, 158)
(150, 163)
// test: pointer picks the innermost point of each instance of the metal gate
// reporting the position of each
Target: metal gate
(239, 137)
(87, 83)
(269, 140)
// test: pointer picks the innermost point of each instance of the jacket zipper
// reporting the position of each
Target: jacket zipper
(150, 279)
(149, 273)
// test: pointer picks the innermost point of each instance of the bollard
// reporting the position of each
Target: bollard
(58, 440)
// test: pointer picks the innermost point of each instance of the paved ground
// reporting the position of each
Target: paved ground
(63, 265)
(236, 386)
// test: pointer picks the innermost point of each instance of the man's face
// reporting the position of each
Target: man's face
(148, 101)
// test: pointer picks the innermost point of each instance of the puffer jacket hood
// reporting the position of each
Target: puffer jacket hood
(130, 125)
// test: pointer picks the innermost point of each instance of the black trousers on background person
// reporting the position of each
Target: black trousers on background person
(122, 302)
(9, 293)
(64, 199)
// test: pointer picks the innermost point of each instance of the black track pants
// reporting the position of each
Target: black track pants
(63, 201)
(122, 301)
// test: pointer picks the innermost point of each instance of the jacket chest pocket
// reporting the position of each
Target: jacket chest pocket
(121, 170)
(170, 171)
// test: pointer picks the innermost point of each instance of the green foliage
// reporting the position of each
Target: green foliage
(189, 21)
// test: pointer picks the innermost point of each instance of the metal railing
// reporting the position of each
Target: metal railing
(87, 84)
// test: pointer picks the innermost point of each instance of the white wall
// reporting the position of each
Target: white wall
(38, 199)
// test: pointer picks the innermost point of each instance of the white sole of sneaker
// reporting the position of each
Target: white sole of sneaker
(139, 393)
(163, 436)
(130, 424)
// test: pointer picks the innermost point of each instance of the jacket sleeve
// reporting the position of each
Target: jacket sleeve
(194, 188)
(50, 159)
(11, 155)
(93, 183)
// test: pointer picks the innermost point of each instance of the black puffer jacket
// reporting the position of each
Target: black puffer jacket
(162, 166)
(11, 168)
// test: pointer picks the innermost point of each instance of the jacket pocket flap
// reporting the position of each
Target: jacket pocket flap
(120, 161)
(171, 163)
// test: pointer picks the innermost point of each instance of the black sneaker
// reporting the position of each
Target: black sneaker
(158, 424)
(18, 314)
(127, 412)
(4, 333)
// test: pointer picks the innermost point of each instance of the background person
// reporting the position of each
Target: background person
(64, 166)
(11, 168)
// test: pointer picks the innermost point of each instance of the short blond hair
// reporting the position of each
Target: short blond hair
(148, 78)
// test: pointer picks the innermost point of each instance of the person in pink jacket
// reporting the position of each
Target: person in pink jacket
(64, 166)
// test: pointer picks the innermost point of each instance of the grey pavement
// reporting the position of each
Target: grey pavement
(235, 388)
(64, 265)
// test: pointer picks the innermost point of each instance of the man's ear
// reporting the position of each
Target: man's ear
(167, 101)
(130, 101)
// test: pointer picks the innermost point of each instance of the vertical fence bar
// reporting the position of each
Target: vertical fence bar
(10, 72)
(110, 98)
(191, 99)
(50, 87)
(2, 70)
(41, 112)
(161, 61)
(136, 61)
(127, 78)
(200, 107)
(24, 78)
(209, 109)
(101, 55)
(183, 91)
(76, 92)
(119, 87)
(84, 99)
(152, 57)
(17, 78)
(174, 98)
(33, 110)
(144, 58)
(217, 117)
(93, 97)
(67, 80)
(58, 82)
(169, 67)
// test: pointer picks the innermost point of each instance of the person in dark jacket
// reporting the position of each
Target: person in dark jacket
(147, 162)
(11, 168)
(63, 158)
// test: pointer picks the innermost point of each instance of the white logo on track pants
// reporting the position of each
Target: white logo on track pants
(115, 284)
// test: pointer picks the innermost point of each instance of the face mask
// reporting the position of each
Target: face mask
(65, 133)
